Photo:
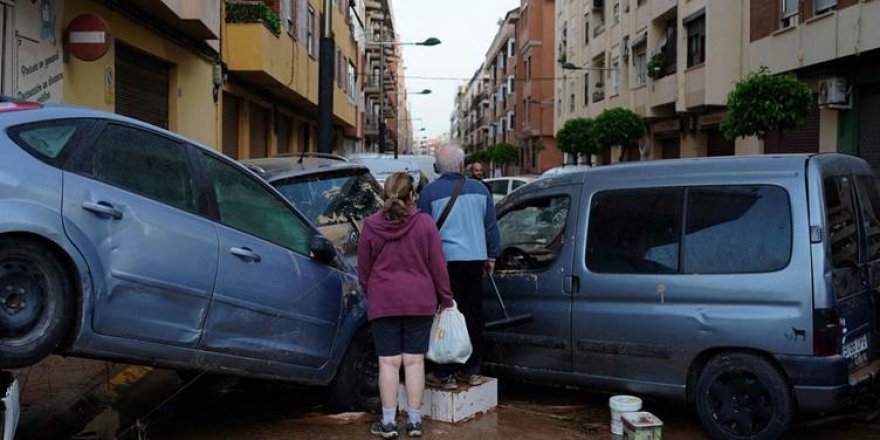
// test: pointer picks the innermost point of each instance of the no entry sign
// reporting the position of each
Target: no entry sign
(88, 37)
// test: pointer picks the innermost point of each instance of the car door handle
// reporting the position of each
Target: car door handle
(245, 254)
(104, 208)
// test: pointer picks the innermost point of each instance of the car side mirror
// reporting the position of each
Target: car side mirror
(322, 249)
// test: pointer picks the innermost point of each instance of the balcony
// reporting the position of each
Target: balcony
(197, 19)
(281, 67)
(663, 91)
(662, 8)
(695, 87)
(598, 94)
(639, 100)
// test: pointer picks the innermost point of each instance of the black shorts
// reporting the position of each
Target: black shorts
(401, 334)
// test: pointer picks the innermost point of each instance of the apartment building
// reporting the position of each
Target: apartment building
(474, 110)
(500, 65)
(673, 62)
(833, 45)
(534, 88)
(383, 69)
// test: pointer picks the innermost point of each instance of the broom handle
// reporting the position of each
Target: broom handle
(498, 295)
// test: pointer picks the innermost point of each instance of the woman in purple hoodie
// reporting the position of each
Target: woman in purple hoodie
(403, 272)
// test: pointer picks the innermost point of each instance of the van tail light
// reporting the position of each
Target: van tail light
(826, 332)
(9, 106)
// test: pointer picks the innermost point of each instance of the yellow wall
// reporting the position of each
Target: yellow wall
(192, 111)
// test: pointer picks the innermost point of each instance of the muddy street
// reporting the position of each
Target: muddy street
(157, 404)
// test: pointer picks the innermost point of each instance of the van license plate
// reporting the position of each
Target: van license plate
(855, 350)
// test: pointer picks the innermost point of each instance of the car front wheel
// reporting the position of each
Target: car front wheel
(35, 302)
(743, 396)
(356, 385)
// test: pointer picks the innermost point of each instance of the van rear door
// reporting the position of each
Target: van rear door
(866, 349)
(845, 314)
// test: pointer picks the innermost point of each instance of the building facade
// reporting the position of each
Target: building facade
(474, 110)
(500, 64)
(159, 66)
(535, 48)
(673, 62)
(270, 92)
(833, 45)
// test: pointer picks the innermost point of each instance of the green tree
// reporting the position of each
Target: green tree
(576, 138)
(477, 156)
(502, 154)
(618, 126)
(764, 103)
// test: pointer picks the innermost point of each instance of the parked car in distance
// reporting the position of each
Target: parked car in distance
(10, 405)
(564, 169)
(743, 285)
(336, 196)
(382, 167)
(502, 186)
(427, 164)
(123, 241)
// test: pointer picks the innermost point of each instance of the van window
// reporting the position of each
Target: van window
(737, 229)
(841, 221)
(869, 197)
(531, 233)
(635, 231)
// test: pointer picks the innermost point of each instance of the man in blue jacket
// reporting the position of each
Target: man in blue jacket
(470, 243)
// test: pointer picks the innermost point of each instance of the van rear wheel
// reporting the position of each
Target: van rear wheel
(742, 396)
(35, 302)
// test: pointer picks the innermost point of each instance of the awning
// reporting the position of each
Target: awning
(694, 15)
(639, 39)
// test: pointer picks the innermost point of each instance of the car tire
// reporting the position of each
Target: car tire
(743, 396)
(356, 385)
(36, 302)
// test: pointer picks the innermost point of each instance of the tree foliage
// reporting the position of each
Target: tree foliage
(502, 154)
(576, 138)
(764, 103)
(617, 126)
(477, 156)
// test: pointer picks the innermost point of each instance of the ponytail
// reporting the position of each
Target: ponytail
(398, 195)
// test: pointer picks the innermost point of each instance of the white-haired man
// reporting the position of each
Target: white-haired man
(470, 243)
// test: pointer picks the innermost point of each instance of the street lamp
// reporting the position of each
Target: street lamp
(381, 44)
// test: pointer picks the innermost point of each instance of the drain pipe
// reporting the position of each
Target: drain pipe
(325, 83)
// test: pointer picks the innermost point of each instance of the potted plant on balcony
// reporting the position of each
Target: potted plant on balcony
(657, 65)
(253, 12)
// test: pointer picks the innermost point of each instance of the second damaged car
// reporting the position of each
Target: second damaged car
(123, 241)
(745, 286)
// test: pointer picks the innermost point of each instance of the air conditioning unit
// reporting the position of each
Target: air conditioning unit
(834, 93)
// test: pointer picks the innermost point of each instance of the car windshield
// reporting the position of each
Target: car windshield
(336, 203)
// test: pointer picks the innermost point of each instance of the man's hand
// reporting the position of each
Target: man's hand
(489, 267)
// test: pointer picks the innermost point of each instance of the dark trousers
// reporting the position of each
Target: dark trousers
(466, 278)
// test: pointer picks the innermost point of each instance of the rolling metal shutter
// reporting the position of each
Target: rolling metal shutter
(803, 140)
(142, 86)
(717, 145)
(230, 125)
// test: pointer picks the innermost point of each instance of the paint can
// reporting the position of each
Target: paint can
(642, 425)
(620, 405)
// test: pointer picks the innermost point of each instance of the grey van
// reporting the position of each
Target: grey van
(746, 286)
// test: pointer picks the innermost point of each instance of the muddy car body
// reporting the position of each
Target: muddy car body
(123, 241)
(744, 285)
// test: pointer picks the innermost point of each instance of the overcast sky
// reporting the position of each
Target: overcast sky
(466, 28)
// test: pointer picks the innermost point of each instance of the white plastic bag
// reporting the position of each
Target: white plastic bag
(450, 342)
